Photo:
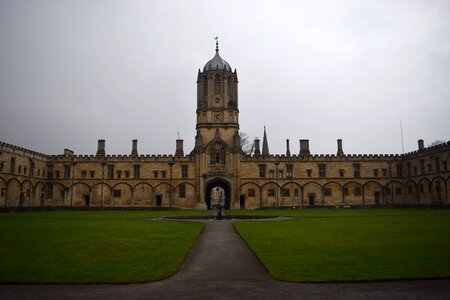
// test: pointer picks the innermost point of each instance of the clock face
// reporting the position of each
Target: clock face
(217, 116)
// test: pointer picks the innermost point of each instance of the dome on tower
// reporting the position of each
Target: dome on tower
(217, 63)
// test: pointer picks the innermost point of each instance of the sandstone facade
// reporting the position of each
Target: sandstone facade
(31, 179)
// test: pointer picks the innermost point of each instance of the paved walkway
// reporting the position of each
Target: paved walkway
(221, 266)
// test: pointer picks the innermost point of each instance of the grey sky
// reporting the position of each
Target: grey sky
(72, 72)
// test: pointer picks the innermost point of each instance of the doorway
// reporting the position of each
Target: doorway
(87, 200)
(311, 198)
(242, 202)
(377, 197)
(158, 200)
(218, 185)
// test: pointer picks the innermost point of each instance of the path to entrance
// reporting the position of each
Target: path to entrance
(221, 266)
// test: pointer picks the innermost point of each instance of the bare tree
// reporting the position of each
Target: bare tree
(437, 142)
(247, 145)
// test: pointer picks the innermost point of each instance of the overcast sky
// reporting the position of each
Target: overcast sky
(72, 72)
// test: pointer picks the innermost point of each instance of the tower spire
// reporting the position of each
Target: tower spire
(265, 148)
(217, 43)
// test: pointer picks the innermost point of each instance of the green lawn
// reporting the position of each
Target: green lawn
(352, 245)
(92, 247)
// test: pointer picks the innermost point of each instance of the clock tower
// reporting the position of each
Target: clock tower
(217, 143)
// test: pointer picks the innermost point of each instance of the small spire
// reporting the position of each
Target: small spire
(217, 43)
(265, 150)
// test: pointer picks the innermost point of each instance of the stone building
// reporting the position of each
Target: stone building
(186, 180)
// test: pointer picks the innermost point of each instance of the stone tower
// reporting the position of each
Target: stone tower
(217, 143)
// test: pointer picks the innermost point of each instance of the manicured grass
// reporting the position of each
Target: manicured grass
(92, 247)
(352, 245)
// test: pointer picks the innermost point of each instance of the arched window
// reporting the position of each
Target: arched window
(230, 87)
(217, 154)
(205, 87)
(217, 89)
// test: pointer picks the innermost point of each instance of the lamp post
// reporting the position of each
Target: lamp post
(103, 163)
(171, 163)
(276, 182)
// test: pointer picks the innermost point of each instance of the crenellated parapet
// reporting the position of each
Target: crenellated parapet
(323, 157)
(22, 151)
(428, 151)
(121, 158)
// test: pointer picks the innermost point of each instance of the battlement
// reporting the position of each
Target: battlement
(120, 158)
(22, 151)
(323, 157)
(428, 150)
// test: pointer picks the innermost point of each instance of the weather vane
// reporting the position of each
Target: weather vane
(217, 42)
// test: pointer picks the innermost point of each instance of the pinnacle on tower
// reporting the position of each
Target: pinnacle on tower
(265, 148)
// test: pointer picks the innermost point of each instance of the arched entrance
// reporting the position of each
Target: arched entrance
(221, 184)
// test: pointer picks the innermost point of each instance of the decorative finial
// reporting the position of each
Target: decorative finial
(217, 43)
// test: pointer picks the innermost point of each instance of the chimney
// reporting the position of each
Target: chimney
(179, 150)
(421, 146)
(101, 148)
(288, 152)
(304, 148)
(68, 152)
(257, 150)
(134, 148)
(340, 152)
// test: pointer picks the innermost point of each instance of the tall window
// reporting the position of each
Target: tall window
(182, 191)
(375, 172)
(309, 172)
(262, 171)
(437, 164)
(322, 170)
(217, 83)
(341, 172)
(137, 171)
(399, 170)
(12, 167)
(66, 171)
(184, 171)
(49, 191)
(357, 170)
(271, 173)
(217, 154)
(205, 87)
(110, 171)
(422, 167)
(230, 87)
(289, 171)
(50, 172)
